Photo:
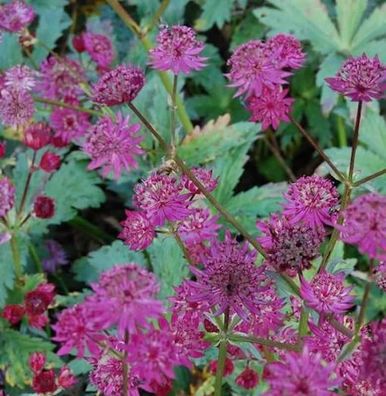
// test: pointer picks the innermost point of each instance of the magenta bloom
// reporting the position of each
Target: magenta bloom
(16, 106)
(75, 329)
(69, 124)
(137, 231)
(247, 379)
(15, 16)
(7, 196)
(57, 256)
(204, 176)
(252, 68)
(198, 226)
(379, 275)
(99, 47)
(60, 78)
(160, 197)
(125, 297)
(365, 225)
(360, 78)
(286, 51)
(290, 247)
(312, 200)
(327, 294)
(118, 86)
(20, 78)
(302, 374)
(113, 145)
(37, 135)
(230, 279)
(271, 108)
(177, 50)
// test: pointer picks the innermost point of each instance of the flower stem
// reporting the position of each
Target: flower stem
(182, 246)
(185, 170)
(27, 183)
(58, 103)
(342, 137)
(157, 16)
(315, 145)
(125, 368)
(365, 299)
(222, 354)
(173, 136)
(370, 177)
(135, 28)
(303, 323)
(355, 142)
(16, 258)
(263, 341)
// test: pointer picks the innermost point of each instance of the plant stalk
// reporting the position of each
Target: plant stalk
(370, 177)
(27, 183)
(58, 103)
(16, 258)
(125, 368)
(222, 354)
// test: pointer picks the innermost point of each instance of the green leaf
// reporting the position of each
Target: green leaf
(168, 264)
(248, 29)
(337, 262)
(349, 15)
(15, 349)
(214, 12)
(306, 19)
(88, 269)
(10, 51)
(319, 124)
(373, 133)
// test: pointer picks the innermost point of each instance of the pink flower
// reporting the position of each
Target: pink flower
(44, 207)
(198, 226)
(228, 368)
(286, 51)
(252, 68)
(125, 296)
(60, 78)
(7, 196)
(177, 50)
(289, 247)
(99, 47)
(3, 148)
(20, 78)
(16, 106)
(137, 232)
(160, 197)
(311, 199)
(247, 379)
(327, 294)
(379, 275)
(13, 313)
(204, 176)
(113, 145)
(69, 124)
(66, 378)
(44, 382)
(50, 162)
(78, 43)
(271, 108)
(37, 135)
(230, 279)
(15, 16)
(365, 225)
(301, 374)
(360, 78)
(38, 300)
(37, 361)
(118, 86)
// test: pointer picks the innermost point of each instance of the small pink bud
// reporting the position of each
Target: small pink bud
(44, 207)
(66, 378)
(36, 361)
(50, 162)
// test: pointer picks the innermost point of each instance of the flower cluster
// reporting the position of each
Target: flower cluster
(15, 16)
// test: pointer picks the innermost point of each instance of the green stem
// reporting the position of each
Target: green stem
(355, 142)
(157, 16)
(222, 353)
(90, 229)
(173, 136)
(263, 341)
(125, 368)
(182, 246)
(16, 258)
(340, 327)
(370, 177)
(58, 103)
(165, 79)
(27, 183)
(303, 322)
(341, 129)
(365, 299)
(35, 258)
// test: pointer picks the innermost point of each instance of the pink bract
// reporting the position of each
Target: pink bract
(15, 16)
(99, 47)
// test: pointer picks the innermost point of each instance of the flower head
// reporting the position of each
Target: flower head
(37, 361)
(161, 198)
(99, 47)
(252, 68)
(13, 313)
(327, 294)
(290, 247)
(364, 225)
(44, 382)
(286, 51)
(7, 196)
(16, 106)
(37, 135)
(50, 162)
(38, 300)
(44, 207)
(137, 231)
(228, 367)
(66, 378)
(360, 78)
(113, 145)
(230, 279)
(204, 176)
(57, 257)
(118, 86)
(15, 16)
(125, 296)
(177, 50)
(302, 374)
(311, 199)
(20, 77)
(379, 275)
(271, 108)
(247, 379)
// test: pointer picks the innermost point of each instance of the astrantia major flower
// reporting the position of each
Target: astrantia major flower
(137, 231)
(247, 379)
(20, 77)
(302, 374)
(327, 294)
(311, 199)
(99, 47)
(37, 135)
(113, 145)
(286, 51)
(290, 247)
(161, 198)
(177, 50)
(364, 225)
(230, 279)
(7, 196)
(204, 176)
(360, 78)
(271, 108)
(16, 106)
(125, 297)
(15, 16)
(118, 86)
(252, 68)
